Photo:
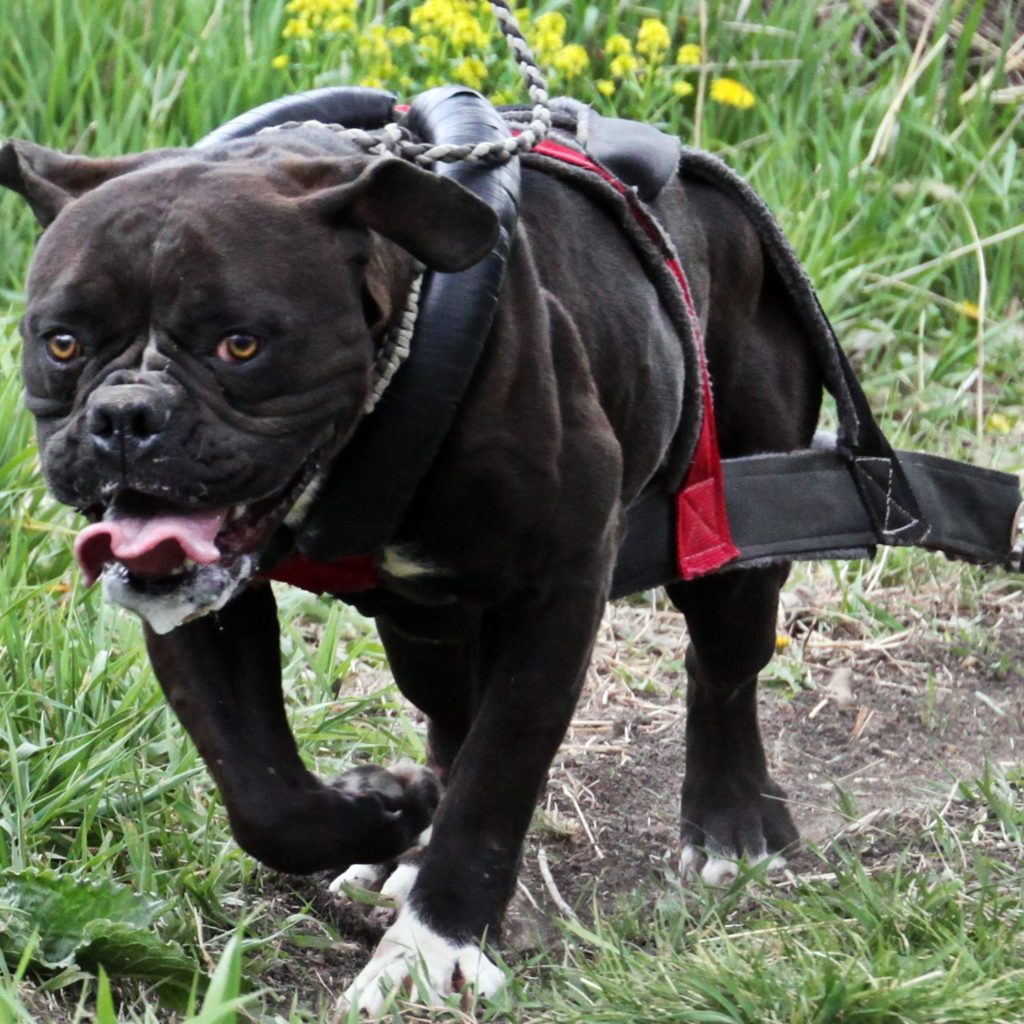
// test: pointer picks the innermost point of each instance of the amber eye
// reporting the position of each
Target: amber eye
(63, 347)
(237, 348)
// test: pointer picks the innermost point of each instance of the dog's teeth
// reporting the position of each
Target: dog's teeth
(237, 512)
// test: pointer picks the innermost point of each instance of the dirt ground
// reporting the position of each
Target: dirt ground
(869, 717)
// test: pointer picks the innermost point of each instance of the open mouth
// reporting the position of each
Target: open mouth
(171, 564)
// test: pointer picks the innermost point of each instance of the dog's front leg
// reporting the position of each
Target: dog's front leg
(533, 658)
(222, 676)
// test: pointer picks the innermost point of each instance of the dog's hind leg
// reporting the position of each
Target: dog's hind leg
(731, 808)
(437, 676)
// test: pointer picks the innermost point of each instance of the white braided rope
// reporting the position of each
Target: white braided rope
(394, 139)
(396, 348)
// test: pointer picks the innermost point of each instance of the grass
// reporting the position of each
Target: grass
(903, 198)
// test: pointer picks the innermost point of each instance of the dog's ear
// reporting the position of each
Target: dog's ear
(442, 224)
(49, 180)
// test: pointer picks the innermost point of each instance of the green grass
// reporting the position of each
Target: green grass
(99, 782)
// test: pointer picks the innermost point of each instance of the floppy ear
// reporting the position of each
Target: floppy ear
(442, 224)
(49, 180)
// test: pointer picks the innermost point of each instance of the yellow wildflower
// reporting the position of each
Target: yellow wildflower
(371, 82)
(732, 93)
(782, 641)
(373, 44)
(605, 86)
(280, 62)
(298, 28)
(690, 55)
(623, 65)
(682, 88)
(969, 309)
(430, 47)
(548, 35)
(617, 44)
(471, 71)
(466, 33)
(570, 61)
(997, 423)
(400, 36)
(653, 39)
(553, 22)
(339, 24)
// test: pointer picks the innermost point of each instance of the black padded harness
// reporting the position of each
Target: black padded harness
(817, 504)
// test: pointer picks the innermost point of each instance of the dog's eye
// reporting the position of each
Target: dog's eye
(237, 348)
(63, 347)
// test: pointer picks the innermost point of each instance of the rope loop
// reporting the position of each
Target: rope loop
(393, 138)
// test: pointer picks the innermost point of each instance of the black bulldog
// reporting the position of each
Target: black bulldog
(200, 342)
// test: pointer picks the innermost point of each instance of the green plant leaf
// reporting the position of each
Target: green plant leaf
(61, 921)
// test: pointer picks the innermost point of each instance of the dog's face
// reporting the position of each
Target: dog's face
(199, 340)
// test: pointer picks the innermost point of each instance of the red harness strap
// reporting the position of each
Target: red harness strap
(703, 540)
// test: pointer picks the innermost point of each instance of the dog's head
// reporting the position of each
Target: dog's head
(199, 339)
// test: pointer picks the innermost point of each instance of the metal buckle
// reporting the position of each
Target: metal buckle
(1015, 560)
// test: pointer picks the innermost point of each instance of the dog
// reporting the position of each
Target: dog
(200, 337)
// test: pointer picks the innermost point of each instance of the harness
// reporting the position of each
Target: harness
(840, 502)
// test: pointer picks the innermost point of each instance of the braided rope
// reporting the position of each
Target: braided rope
(392, 138)
(395, 350)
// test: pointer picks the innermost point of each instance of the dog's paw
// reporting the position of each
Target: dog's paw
(414, 962)
(407, 793)
(392, 881)
(715, 866)
(719, 835)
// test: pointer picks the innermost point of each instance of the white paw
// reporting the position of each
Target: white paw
(716, 869)
(400, 883)
(413, 960)
(359, 876)
(379, 877)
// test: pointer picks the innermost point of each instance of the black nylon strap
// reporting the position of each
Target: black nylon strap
(807, 505)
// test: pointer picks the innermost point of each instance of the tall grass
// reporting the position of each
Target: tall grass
(915, 238)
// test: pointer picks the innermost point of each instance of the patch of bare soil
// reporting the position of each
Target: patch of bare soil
(870, 720)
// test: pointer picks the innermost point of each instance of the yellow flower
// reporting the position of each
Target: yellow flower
(997, 423)
(969, 309)
(430, 47)
(623, 65)
(782, 641)
(371, 82)
(339, 23)
(732, 93)
(605, 86)
(297, 28)
(400, 36)
(553, 22)
(616, 44)
(548, 35)
(466, 33)
(280, 62)
(690, 55)
(653, 39)
(570, 61)
(373, 44)
(471, 71)
(682, 88)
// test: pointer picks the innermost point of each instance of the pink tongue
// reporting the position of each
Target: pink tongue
(151, 546)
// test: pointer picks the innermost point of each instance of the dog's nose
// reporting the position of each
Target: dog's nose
(126, 420)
